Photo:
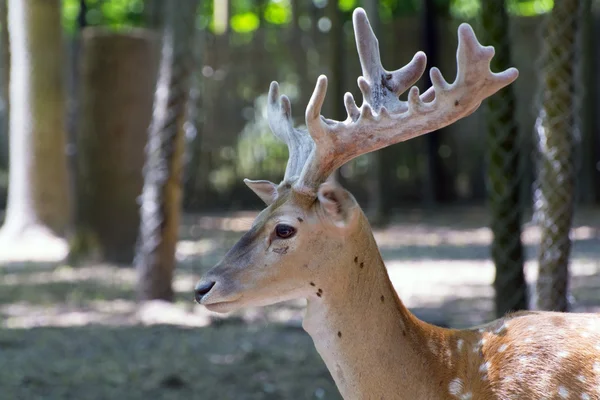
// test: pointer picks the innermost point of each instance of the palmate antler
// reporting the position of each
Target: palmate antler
(382, 119)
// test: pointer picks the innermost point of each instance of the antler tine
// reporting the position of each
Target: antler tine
(382, 119)
(299, 143)
(378, 86)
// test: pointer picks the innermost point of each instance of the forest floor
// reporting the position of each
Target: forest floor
(77, 333)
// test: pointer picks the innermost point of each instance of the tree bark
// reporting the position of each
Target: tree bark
(503, 169)
(5, 66)
(117, 91)
(153, 14)
(162, 193)
(38, 201)
(555, 127)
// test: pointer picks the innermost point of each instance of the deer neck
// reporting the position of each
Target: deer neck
(372, 345)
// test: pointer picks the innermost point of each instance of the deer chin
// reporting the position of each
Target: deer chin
(223, 307)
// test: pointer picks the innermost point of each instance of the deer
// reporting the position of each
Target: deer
(313, 242)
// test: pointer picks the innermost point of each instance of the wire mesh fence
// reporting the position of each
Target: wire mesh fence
(557, 135)
(504, 174)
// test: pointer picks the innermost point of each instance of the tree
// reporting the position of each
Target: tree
(438, 184)
(162, 193)
(38, 202)
(5, 79)
(556, 138)
(503, 169)
(117, 79)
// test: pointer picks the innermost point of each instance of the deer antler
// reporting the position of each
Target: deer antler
(382, 119)
(299, 142)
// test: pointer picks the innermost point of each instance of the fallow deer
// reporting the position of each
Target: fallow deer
(314, 242)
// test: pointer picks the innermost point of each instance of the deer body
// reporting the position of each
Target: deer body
(313, 241)
(376, 349)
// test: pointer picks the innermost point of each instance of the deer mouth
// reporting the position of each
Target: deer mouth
(209, 294)
(223, 307)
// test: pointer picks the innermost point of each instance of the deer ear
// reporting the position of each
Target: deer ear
(337, 203)
(266, 190)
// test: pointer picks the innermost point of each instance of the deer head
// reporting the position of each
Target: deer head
(312, 227)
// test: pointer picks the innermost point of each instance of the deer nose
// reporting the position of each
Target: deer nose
(202, 289)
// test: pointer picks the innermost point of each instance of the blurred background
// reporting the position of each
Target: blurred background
(127, 127)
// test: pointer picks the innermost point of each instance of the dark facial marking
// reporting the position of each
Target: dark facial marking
(243, 245)
(282, 250)
(339, 334)
(320, 290)
(403, 332)
(288, 185)
(455, 103)
(382, 298)
(362, 264)
(355, 259)
(312, 284)
(319, 294)
(300, 219)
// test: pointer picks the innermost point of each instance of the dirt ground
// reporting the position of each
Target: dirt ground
(76, 332)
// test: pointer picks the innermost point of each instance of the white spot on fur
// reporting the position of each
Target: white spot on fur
(562, 354)
(528, 340)
(449, 355)
(585, 396)
(432, 347)
(585, 334)
(524, 359)
(484, 367)
(597, 367)
(455, 387)
(581, 378)
(466, 396)
(563, 392)
(502, 347)
(503, 327)
(459, 344)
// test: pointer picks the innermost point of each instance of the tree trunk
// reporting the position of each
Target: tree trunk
(5, 81)
(118, 79)
(38, 201)
(153, 14)
(503, 170)
(162, 193)
(555, 127)
(439, 182)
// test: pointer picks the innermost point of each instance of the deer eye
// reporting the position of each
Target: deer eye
(284, 231)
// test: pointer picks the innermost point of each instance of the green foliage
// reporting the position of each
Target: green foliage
(245, 22)
(117, 14)
(278, 13)
(246, 14)
(526, 8)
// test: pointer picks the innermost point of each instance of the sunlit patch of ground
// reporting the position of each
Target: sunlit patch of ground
(77, 332)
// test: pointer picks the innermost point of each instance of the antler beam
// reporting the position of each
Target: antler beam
(382, 119)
